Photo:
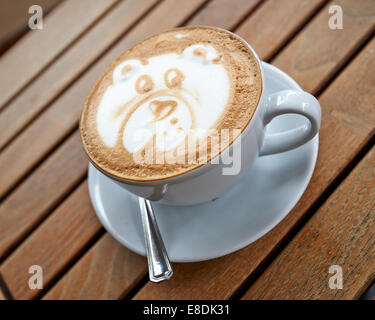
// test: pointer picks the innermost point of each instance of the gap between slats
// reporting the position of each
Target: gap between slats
(4, 289)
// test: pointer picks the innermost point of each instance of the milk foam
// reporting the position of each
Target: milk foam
(164, 96)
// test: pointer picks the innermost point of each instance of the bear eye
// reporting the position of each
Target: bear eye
(173, 78)
(144, 84)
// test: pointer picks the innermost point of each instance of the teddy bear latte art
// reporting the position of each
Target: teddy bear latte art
(165, 97)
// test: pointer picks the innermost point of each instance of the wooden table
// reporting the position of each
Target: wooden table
(46, 217)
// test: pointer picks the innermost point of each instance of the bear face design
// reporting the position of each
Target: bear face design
(165, 96)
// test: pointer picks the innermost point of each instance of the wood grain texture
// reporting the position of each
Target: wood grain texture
(318, 52)
(38, 48)
(27, 105)
(347, 125)
(224, 13)
(107, 271)
(32, 200)
(14, 18)
(62, 116)
(53, 245)
(273, 21)
(341, 233)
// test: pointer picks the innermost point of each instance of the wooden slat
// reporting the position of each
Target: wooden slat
(317, 58)
(58, 240)
(14, 17)
(107, 271)
(224, 13)
(271, 15)
(340, 233)
(40, 192)
(78, 272)
(62, 72)
(347, 125)
(46, 131)
(39, 47)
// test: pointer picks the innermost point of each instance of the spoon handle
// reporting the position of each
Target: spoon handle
(159, 267)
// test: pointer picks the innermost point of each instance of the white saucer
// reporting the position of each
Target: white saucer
(249, 210)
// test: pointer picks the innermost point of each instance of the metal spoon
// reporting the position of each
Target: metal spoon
(159, 266)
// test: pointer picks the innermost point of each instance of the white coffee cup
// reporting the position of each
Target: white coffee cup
(210, 180)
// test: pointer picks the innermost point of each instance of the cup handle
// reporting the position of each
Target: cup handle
(290, 101)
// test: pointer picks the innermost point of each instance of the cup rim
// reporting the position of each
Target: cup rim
(208, 162)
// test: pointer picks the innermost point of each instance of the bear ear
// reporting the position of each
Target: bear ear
(126, 70)
(202, 53)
